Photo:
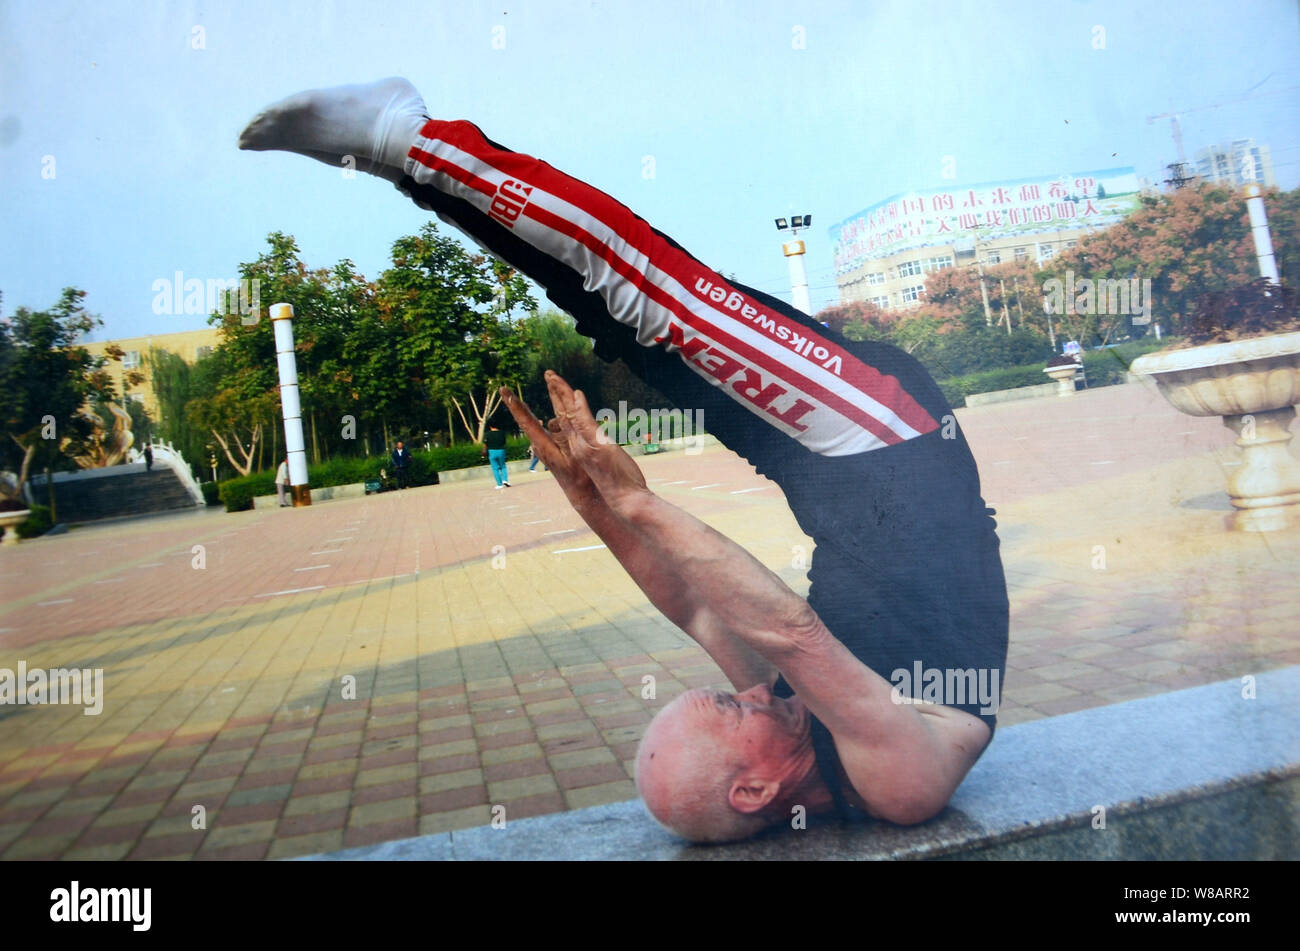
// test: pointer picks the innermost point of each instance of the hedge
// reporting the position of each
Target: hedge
(238, 493)
(37, 523)
(957, 388)
(1103, 368)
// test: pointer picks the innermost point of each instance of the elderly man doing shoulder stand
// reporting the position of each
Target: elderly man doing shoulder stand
(906, 581)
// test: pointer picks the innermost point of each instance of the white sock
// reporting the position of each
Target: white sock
(374, 123)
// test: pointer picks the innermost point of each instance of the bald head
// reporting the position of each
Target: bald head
(686, 768)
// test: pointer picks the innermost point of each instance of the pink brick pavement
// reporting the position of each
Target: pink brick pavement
(523, 688)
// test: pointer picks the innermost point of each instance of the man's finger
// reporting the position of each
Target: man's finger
(562, 401)
(571, 407)
(592, 432)
(550, 451)
(561, 394)
(523, 416)
(556, 432)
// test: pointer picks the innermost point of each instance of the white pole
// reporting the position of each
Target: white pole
(794, 251)
(290, 404)
(1259, 230)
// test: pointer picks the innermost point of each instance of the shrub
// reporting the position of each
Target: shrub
(1106, 367)
(1103, 368)
(38, 523)
(211, 493)
(957, 388)
(987, 348)
(453, 457)
(1247, 310)
(345, 470)
(238, 493)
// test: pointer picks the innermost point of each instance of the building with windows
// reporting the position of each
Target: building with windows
(190, 345)
(883, 253)
(1236, 162)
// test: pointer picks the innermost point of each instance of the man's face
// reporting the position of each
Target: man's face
(708, 754)
(764, 731)
(399, 445)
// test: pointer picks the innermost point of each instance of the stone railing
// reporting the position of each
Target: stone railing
(1211, 772)
(165, 455)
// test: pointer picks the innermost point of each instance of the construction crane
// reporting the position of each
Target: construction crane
(1177, 129)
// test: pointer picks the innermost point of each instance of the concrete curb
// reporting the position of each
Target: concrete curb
(1202, 773)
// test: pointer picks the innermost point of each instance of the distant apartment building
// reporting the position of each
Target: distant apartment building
(189, 345)
(883, 253)
(1236, 162)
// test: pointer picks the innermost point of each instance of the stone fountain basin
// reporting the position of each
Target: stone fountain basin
(1253, 384)
(9, 522)
(1254, 375)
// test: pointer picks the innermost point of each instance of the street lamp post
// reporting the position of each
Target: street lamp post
(296, 450)
(794, 251)
(1259, 231)
(984, 291)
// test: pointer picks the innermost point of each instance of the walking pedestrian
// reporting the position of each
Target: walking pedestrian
(282, 481)
(401, 463)
(495, 443)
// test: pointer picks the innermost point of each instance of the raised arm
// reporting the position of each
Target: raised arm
(654, 572)
(903, 759)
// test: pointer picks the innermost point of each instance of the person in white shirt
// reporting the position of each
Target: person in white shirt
(282, 480)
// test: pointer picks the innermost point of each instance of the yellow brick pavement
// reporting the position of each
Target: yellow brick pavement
(453, 650)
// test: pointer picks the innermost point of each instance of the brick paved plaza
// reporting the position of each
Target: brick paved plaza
(499, 651)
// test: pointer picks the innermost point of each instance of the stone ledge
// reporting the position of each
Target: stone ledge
(1196, 774)
(1033, 391)
(515, 467)
(351, 490)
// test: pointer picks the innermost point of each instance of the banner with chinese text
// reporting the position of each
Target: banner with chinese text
(984, 212)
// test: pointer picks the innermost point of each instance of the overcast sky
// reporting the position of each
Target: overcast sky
(708, 119)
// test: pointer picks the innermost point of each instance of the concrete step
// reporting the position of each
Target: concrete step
(113, 495)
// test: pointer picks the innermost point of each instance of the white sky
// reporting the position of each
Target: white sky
(742, 124)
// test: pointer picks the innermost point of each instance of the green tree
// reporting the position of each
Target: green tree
(558, 346)
(46, 378)
(142, 424)
(1189, 242)
(172, 380)
(859, 312)
(234, 409)
(1283, 210)
(235, 397)
(455, 339)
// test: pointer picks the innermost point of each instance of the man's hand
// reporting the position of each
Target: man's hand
(577, 462)
(588, 465)
(605, 462)
(552, 448)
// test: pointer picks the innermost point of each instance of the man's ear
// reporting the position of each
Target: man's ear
(750, 794)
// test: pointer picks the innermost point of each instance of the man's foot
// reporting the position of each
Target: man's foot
(374, 123)
(506, 484)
